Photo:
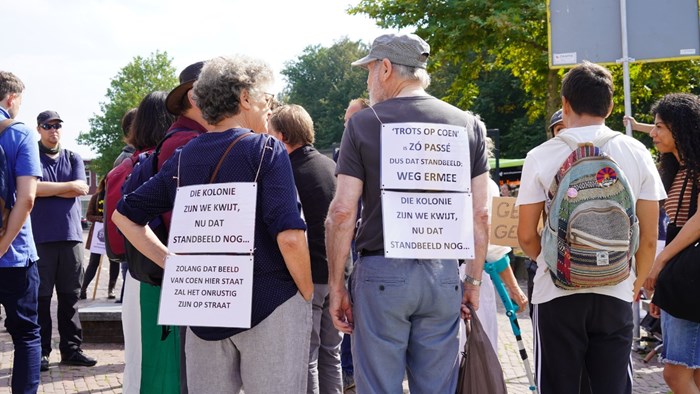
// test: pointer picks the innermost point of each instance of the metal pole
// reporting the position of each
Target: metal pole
(625, 64)
(636, 332)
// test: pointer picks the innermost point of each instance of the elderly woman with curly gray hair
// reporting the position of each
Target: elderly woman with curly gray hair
(272, 354)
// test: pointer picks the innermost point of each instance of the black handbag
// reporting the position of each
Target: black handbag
(678, 286)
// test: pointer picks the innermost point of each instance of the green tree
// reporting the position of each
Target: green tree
(133, 82)
(477, 36)
(323, 82)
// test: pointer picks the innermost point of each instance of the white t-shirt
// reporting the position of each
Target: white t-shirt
(542, 163)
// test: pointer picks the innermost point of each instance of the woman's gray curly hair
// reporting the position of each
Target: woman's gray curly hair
(218, 89)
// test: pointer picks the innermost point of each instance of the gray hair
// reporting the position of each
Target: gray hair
(412, 73)
(218, 90)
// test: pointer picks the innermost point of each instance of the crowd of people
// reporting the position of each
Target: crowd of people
(325, 265)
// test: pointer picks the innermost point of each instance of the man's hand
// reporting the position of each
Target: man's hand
(77, 189)
(340, 310)
(471, 296)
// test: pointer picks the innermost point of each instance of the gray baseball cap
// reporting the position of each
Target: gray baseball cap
(405, 49)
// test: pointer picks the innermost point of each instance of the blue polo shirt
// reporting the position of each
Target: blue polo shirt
(22, 154)
(277, 208)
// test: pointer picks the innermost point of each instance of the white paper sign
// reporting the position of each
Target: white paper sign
(428, 225)
(564, 58)
(425, 156)
(97, 242)
(207, 290)
(214, 218)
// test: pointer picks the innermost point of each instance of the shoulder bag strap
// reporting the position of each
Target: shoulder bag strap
(221, 161)
(680, 197)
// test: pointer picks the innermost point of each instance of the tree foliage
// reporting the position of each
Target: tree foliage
(323, 82)
(471, 39)
(133, 82)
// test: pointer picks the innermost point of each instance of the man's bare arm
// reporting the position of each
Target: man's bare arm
(648, 215)
(480, 218)
(340, 227)
(70, 189)
(528, 237)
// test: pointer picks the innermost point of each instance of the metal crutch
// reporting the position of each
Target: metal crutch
(493, 269)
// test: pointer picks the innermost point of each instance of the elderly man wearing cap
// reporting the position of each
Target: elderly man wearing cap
(405, 308)
(59, 240)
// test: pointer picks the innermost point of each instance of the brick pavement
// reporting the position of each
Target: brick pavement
(106, 376)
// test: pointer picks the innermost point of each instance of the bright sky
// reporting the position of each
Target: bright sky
(66, 52)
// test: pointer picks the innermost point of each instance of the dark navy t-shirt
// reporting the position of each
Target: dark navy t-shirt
(57, 218)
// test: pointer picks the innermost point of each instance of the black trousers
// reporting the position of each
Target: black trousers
(60, 266)
(91, 270)
(590, 332)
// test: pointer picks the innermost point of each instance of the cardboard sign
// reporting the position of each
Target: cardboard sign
(214, 218)
(504, 222)
(428, 225)
(207, 290)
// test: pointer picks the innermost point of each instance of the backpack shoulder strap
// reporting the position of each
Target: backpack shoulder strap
(7, 123)
(599, 142)
(569, 140)
(604, 137)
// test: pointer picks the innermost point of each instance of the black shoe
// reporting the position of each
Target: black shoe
(79, 358)
(83, 295)
(110, 294)
(44, 363)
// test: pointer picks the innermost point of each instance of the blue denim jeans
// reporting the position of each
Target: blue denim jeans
(19, 289)
(406, 314)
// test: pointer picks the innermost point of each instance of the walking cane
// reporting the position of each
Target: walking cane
(493, 269)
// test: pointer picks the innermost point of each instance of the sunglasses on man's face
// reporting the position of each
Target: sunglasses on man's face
(55, 126)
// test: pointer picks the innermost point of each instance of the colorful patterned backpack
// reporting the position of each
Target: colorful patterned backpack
(591, 233)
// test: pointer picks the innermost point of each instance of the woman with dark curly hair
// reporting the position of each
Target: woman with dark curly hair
(676, 134)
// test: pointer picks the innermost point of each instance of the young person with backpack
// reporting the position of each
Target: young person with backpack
(598, 241)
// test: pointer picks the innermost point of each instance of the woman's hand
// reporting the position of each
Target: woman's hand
(654, 310)
(650, 281)
(516, 294)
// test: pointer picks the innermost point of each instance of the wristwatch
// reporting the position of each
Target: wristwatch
(472, 281)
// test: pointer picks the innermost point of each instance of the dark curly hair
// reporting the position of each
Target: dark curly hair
(681, 114)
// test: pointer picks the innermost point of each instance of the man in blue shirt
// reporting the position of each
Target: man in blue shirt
(19, 277)
(59, 241)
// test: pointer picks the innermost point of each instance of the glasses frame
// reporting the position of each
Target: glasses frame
(48, 126)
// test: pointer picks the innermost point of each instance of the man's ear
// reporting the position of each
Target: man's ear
(386, 70)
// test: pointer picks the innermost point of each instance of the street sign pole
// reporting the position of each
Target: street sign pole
(625, 64)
